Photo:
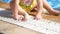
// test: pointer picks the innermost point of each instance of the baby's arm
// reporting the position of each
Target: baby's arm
(16, 8)
(13, 6)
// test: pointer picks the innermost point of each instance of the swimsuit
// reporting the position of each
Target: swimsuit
(27, 5)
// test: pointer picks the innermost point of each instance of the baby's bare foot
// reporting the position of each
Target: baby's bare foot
(54, 12)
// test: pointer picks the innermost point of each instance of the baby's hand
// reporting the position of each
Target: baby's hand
(17, 17)
(25, 18)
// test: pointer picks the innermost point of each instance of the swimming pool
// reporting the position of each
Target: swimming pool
(53, 3)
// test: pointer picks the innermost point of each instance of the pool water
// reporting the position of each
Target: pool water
(7, 1)
(53, 3)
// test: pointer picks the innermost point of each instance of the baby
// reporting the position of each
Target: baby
(17, 10)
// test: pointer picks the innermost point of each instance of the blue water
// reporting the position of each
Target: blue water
(7, 1)
(53, 3)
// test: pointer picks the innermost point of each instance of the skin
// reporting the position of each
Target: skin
(17, 10)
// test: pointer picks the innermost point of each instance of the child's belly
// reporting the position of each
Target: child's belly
(28, 5)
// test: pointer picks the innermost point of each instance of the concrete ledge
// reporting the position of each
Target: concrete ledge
(42, 25)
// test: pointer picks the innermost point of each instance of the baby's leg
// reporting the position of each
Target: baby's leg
(49, 8)
(39, 9)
